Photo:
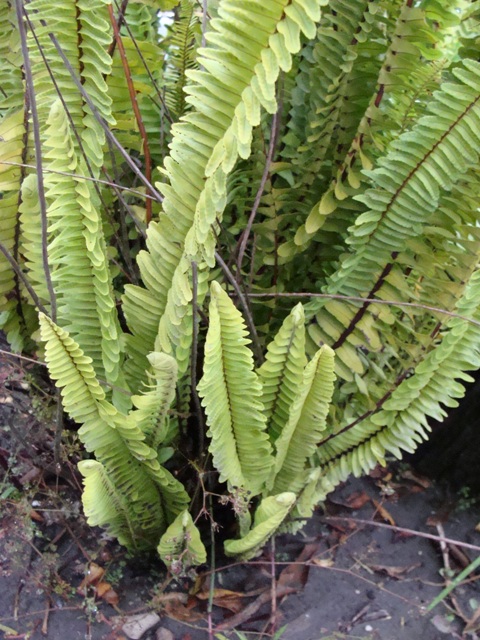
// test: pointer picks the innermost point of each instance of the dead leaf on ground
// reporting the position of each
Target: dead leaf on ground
(106, 592)
(394, 572)
(323, 562)
(296, 574)
(182, 613)
(385, 515)
(226, 599)
(102, 589)
(94, 574)
(357, 500)
(422, 481)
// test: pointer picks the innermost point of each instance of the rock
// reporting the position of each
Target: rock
(164, 634)
(137, 625)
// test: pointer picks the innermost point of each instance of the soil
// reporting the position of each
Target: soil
(354, 571)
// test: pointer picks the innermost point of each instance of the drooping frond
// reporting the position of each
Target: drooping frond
(151, 494)
(281, 373)
(406, 189)
(269, 515)
(306, 422)
(153, 405)
(180, 546)
(231, 395)
(247, 46)
(401, 420)
(75, 222)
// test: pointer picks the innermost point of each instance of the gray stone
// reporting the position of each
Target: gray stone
(136, 626)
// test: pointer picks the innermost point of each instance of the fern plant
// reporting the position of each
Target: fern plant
(189, 184)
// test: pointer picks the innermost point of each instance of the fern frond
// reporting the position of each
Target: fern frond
(401, 422)
(306, 422)
(281, 373)
(151, 494)
(231, 396)
(104, 505)
(180, 546)
(420, 166)
(152, 406)
(237, 81)
(77, 252)
(182, 43)
(269, 515)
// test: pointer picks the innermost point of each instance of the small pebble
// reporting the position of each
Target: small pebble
(164, 634)
(136, 626)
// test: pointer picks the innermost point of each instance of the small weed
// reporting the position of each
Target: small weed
(465, 500)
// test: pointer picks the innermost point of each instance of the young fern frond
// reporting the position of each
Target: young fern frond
(231, 394)
(281, 373)
(181, 546)
(152, 406)
(183, 41)
(152, 496)
(269, 516)
(306, 423)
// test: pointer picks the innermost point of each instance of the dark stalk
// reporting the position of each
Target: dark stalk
(102, 122)
(16, 267)
(243, 301)
(20, 10)
(194, 360)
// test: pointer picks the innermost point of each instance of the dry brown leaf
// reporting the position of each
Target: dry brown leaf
(394, 572)
(409, 474)
(357, 500)
(226, 599)
(383, 512)
(94, 574)
(34, 515)
(182, 613)
(296, 574)
(323, 562)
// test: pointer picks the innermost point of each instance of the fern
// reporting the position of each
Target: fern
(231, 396)
(125, 465)
(335, 146)
(180, 545)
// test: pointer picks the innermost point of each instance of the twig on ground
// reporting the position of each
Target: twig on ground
(413, 532)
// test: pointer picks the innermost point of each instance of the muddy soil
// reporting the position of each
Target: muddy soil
(354, 572)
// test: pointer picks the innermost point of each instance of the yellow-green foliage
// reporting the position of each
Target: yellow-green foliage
(318, 146)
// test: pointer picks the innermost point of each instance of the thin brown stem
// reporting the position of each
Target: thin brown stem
(135, 107)
(20, 11)
(391, 303)
(243, 301)
(261, 189)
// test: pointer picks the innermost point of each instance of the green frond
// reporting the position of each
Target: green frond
(12, 145)
(306, 422)
(182, 43)
(151, 494)
(269, 515)
(104, 505)
(237, 80)
(282, 372)
(152, 406)
(30, 223)
(231, 394)
(401, 422)
(77, 252)
(11, 79)
(406, 189)
(180, 546)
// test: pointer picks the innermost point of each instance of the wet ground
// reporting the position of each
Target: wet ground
(355, 572)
